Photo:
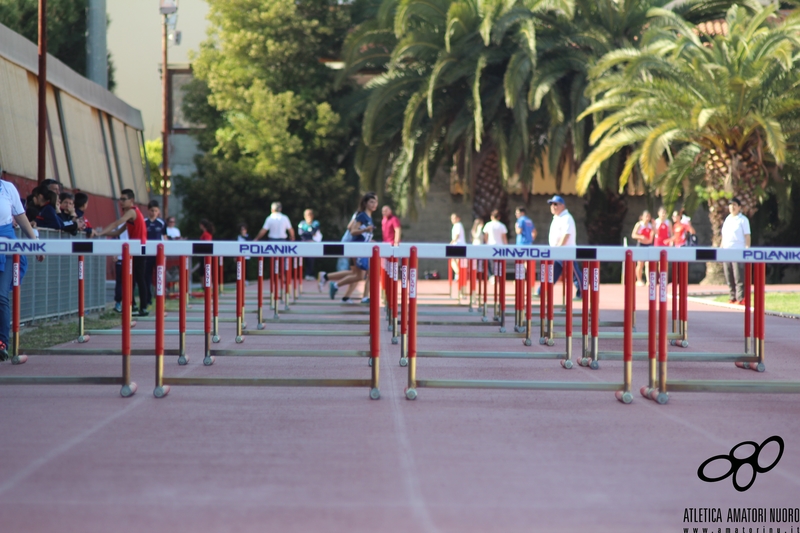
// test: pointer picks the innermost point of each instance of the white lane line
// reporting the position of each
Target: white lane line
(410, 478)
(29, 470)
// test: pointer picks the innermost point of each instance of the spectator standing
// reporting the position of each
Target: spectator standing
(662, 229)
(458, 237)
(131, 220)
(49, 216)
(477, 231)
(156, 229)
(81, 204)
(525, 229)
(735, 234)
(682, 230)
(172, 231)
(496, 232)
(207, 229)
(390, 226)
(308, 231)
(643, 235)
(11, 210)
(563, 233)
(277, 226)
(361, 229)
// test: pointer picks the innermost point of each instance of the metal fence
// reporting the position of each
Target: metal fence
(50, 288)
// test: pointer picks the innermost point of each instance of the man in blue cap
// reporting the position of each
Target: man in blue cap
(562, 233)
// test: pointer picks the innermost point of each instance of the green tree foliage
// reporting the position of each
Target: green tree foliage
(66, 29)
(153, 151)
(273, 118)
(723, 110)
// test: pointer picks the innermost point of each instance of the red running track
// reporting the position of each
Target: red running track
(218, 459)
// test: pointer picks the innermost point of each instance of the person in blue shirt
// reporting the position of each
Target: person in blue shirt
(308, 231)
(361, 229)
(526, 231)
(48, 216)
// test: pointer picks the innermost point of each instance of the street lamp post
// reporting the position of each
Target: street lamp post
(167, 8)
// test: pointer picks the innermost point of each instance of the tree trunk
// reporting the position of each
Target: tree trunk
(728, 175)
(489, 193)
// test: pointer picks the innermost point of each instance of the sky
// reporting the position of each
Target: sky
(134, 40)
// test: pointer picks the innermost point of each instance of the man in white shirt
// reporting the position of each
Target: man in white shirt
(563, 233)
(276, 226)
(496, 232)
(735, 234)
(458, 237)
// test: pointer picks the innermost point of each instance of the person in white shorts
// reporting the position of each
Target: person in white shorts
(457, 237)
(735, 234)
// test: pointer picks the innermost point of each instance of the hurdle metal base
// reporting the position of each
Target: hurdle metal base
(309, 333)
(291, 353)
(490, 355)
(757, 387)
(517, 385)
(126, 391)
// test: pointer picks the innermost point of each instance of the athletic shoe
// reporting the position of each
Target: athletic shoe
(143, 312)
(309, 278)
(731, 301)
(349, 301)
(740, 302)
(640, 283)
(3, 351)
(322, 281)
(365, 300)
(118, 307)
(332, 290)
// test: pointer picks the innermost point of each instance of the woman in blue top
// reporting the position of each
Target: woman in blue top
(361, 229)
(10, 210)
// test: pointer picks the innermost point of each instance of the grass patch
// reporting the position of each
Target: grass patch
(781, 302)
(47, 334)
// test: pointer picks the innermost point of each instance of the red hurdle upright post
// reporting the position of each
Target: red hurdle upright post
(82, 336)
(393, 284)
(128, 387)
(449, 278)
(530, 276)
(375, 321)
(684, 310)
(661, 396)
(567, 363)
(160, 390)
(216, 281)
(550, 302)
(208, 265)
(542, 302)
(652, 329)
(595, 315)
(404, 312)
(183, 288)
(285, 265)
(275, 284)
(220, 277)
(16, 358)
(587, 296)
(472, 273)
(411, 390)
(675, 303)
(239, 299)
(260, 290)
(502, 294)
(625, 395)
(485, 318)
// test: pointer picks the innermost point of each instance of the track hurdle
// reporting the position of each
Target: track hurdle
(58, 247)
(622, 390)
(163, 382)
(759, 258)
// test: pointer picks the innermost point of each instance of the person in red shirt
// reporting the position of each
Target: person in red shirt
(208, 230)
(133, 221)
(643, 235)
(681, 229)
(662, 229)
(390, 226)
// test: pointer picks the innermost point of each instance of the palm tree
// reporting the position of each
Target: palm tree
(567, 49)
(727, 104)
(454, 90)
